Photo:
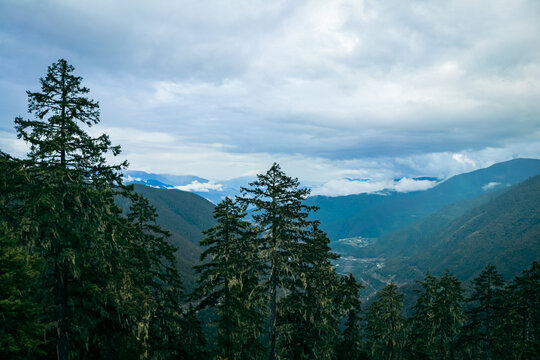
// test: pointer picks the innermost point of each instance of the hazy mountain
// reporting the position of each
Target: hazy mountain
(374, 215)
(164, 181)
(214, 191)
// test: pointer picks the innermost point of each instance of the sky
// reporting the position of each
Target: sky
(348, 95)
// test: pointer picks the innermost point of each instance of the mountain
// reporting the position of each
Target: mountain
(501, 228)
(214, 191)
(164, 181)
(375, 215)
(185, 215)
(504, 232)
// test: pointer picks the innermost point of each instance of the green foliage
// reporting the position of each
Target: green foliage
(386, 324)
(483, 332)
(309, 315)
(21, 313)
(281, 218)
(229, 282)
(525, 308)
(438, 315)
(108, 280)
(350, 342)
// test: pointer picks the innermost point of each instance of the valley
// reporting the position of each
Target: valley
(398, 237)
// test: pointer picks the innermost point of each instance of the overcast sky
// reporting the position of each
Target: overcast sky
(329, 89)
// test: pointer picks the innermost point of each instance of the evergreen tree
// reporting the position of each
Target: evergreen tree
(485, 314)
(278, 211)
(115, 287)
(350, 344)
(386, 325)
(229, 281)
(71, 197)
(438, 315)
(525, 290)
(309, 317)
(282, 219)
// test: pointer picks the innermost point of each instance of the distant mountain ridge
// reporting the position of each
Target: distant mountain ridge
(214, 191)
(409, 233)
(375, 215)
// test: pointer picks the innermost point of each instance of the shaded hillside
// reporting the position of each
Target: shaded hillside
(185, 215)
(504, 232)
(374, 215)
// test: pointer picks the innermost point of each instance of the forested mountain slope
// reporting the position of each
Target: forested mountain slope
(185, 215)
(501, 228)
(374, 215)
(504, 232)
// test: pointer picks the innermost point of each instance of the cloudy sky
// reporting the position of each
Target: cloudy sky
(332, 90)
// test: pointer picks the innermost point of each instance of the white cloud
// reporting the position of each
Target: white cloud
(196, 186)
(343, 187)
(490, 185)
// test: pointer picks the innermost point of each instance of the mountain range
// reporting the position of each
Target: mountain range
(214, 191)
(488, 215)
(378, 214)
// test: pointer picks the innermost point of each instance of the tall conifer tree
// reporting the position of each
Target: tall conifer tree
(485, 313)
(350, 344)
(72, 180)
(309, 314)
(386, 325)
(107, 270)
(229, 281)
(438, 315)
(278, 211)
(525, 295)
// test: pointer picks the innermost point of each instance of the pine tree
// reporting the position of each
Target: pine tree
(229, 282)
(281, 216)
(350, 344)
(109, 272)
(485, 313)
(71, 181)
(309, 315)
(386, 325)
(438, 315)
(525, 292)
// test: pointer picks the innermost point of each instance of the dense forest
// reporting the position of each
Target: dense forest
(86, 272)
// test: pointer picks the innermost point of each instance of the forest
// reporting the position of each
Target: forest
(80, 278)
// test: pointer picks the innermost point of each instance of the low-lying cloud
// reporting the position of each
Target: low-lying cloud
(344, 187)
(197, 186)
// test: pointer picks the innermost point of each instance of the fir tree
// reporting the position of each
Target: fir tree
(525, 292)
(309, 315)
(72, 181)
(386, 325)
(438, 315)
(485, 313)
(350, 344)
(281, 216)
(109, 272)
(229, 281)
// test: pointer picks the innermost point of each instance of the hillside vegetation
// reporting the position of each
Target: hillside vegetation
(375, 215)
